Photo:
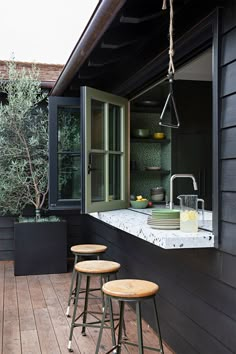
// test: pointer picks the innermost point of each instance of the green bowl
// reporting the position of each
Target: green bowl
(136, 204)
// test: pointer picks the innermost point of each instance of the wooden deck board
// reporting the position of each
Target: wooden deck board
(46, 334)
(11, 325)
(36, 294)
(30, 342)
(26, 315)
(33, 320)
(57, 315)
(1, 302)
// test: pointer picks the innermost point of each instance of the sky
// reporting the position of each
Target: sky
(42, 31)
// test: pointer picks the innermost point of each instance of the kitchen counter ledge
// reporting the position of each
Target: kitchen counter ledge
(135, 223)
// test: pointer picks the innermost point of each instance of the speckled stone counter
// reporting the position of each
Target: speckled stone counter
(135, 223)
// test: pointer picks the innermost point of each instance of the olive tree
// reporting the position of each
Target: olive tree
(23, 141)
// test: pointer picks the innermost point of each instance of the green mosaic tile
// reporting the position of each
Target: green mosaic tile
(146, 154)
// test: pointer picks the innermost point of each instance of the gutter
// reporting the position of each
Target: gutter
(101, 19)
(43, 84)
(47, 84)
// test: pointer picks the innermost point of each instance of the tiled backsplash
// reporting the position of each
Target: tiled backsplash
(149, 154)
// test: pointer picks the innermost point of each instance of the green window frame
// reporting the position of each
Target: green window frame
(105, 151)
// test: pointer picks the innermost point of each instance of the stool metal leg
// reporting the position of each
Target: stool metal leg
(158, 326)
(74, 314)
(74, 274)
(108, 304)
(102, 294)
(101, 284)
(76, 285)
(121, 322)
(86, 304)
(113, 335)
(125, 337)
(139, 327)
(102, 326)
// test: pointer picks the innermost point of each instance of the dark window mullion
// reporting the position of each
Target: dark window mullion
(55, 104)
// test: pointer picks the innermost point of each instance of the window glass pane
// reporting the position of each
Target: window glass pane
(68, 129)
(69, 176)
(114, 177)
(68, 140)
(97, 125)
(114, 127)
(97, 178)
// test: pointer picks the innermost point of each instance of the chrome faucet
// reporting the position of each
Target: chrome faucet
(184, 175)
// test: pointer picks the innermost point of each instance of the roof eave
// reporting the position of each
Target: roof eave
(102, 17)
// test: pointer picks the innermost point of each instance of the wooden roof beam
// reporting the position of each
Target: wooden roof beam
(108, 45)
(137, 20)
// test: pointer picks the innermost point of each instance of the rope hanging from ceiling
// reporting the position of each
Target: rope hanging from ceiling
(171, 70)
(171, 29)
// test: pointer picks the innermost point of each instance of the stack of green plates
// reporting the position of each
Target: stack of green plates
(165, 219)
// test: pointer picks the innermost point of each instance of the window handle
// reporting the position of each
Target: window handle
(90, 168)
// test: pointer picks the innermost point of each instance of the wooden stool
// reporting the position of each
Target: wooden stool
(130, 290)
(79, 252)
(103, 269)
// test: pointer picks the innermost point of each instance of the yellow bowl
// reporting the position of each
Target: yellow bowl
(159, 135)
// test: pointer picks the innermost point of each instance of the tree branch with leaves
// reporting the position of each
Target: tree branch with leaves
(23, 141)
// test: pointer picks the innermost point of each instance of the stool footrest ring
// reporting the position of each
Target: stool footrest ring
(92, 313)
(125, 342)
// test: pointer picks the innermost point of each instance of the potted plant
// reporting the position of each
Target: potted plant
(40, 244)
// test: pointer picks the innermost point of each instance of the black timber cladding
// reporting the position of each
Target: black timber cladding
(6, 238)
(227, 133)
(197, 298)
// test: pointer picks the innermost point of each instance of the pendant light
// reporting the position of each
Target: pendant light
(169, 113)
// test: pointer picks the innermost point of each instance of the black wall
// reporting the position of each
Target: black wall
(191, 143)
(227, 133)
(197, 299)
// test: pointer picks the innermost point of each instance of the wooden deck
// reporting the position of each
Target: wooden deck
(32, 317)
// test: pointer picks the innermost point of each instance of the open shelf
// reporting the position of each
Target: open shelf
(149, 140)
(162, 172)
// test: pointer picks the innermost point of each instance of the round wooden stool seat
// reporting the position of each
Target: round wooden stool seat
(130, 288)
(135, 291)
(97, 267)
(88, 249)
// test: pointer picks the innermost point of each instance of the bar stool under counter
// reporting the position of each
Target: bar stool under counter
(79, 252)
(99, 268)
(130, 290)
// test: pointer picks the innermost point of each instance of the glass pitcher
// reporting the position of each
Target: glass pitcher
(189, 212)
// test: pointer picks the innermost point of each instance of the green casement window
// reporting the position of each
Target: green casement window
(88, 152)
(105, 144)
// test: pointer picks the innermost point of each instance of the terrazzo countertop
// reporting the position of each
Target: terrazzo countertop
(135, 223)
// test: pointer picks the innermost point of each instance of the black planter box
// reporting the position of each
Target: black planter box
(40, 248)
